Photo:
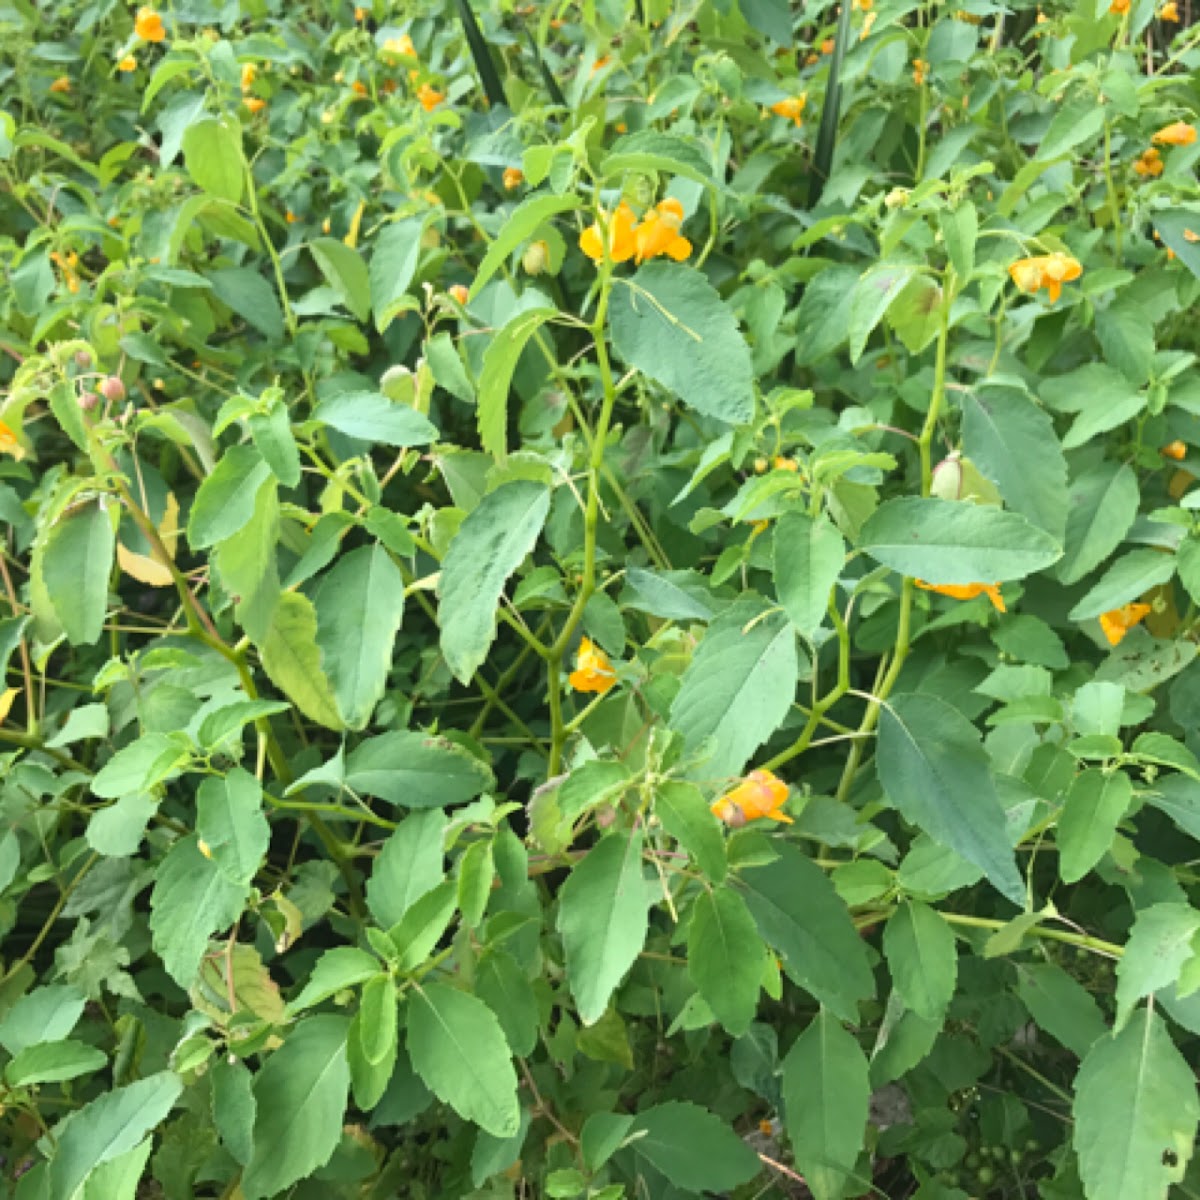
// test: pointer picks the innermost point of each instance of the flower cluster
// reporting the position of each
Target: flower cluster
(621, 236)
(760, 794)
(1049, 271)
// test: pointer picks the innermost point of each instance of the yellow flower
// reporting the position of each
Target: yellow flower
(791, 108)
(1049, 271)
(361, 14)
(1176, 450)
(67, 264)
(920, 71)
(785, 464)
(127, 64)
(1117, 623)
(1120, 7)
(1178, 134)
(659, 233)
(459, 292)
(614, 234)
(149, 26)
(401, 47)
(759, 795)
(255, 103)
(290, 217)
(429, 97)
(593, 671)
(358, 88)
(966, 591)
(1148, 163)
(9, 443)
(249, 73)
(61, 84)
(1169, 12)
(513, 178)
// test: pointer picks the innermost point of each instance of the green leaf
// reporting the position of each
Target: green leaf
(493, 85)
(1135, 1111)
(77, 561)
(1077, 121)
(1061, 1006)
(873, 296)
(916, 313)
(458, 1048)
(118, 1178)
(225, 500)
(672, 595)
(230, 822)
(409, 865)
(960, 230)
(360, 604)
(944, 541)
(374, 418)
(247, 566)
(335, 971)
(140, 766)
(801, 916)
(1013, 443)
(1175, 795)
(725, 957)
(686, 816)
(648, 150)
(1127, 338)
(503, 987)
(233, 1107)
(602, 917)
(739, 686)
(1088, 821)
(669, 323)
(421, 928)
(46, 1014)
(192, 900)
(378, 1012)
(922, 958)
(394, 261)
(300, 1098)
(929, 759)
(345, 272)
(1127, 578)
(476, 873)
(245, 291)
(212, 153)
(694, 1149)
(416, 770)
(1102, 504)
(523, 222)
(495, 376)
(809, 557)
(272, 434)
(292, 660)
(1174, 225)
(110, 1126)
(489, 546)
(53, 1062)
(826, 1095)
(1160, 942)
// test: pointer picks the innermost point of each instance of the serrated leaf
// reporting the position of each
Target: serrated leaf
(1124, 581)
(335, 971)
(374, 418)
(212, 153)
(345, 272)
(809, 557)
(495, 376)
(292, 660)
(686, 816)
(1160, 942)
(231, 825)
(522, 223)
(378, 1019)
(725, 957)
(922, 957)
(1102, 504)
(1088, 821)
(874, 294)
(224, 502)
(416, 770)
(694, 1149)
(1061, 1006)
(76, 564)
(409, 865)
(53, 1062)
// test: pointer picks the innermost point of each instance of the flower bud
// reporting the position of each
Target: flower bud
(535, 258)
(896, 198)
(88, 401)
(398, 384)
(112, 389)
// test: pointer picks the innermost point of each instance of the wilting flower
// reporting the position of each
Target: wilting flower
(792, 108)
(1049, 271)
(61, 84)
(1117, 623)
(149, 26)
(967, 591)
(429, 97)
(659, 233)
(593, 671)
(1148, 163)
(1169, 12)
(920, 71)
(513, 178)
(759, 795)
(1176, 450)
(613, 233)
(255, 103)
(9, 443)
(1178, 134)
(249, 74)
(127, 64)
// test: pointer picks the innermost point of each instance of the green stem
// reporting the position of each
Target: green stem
(1111, 188)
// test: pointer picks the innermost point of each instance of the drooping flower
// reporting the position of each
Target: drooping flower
(429, 97)
(9, 443)
(966, 591)
(1149, 163)
(127, 64)
(1176, 450)
(593, 670)
(1049, 271)
(249, 74)
(792, 108)
(659, 234)
(761, 794)
(613, 233)
(513, 178)
(149, 26)
(1117, 623)
(1178, 134)
(61, 84)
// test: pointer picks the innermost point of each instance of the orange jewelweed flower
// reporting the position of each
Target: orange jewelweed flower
(920, 71)
(601, 63)
(792, 108)
(127, 64)
(759, 795)
(249, 74)
(659, 233)
(1148, 163)
(1120, 7)
(290, 217)
(61, 84)
(1169, 12)
(1176, 450)
(255, 103)
(967, 591)
(613, 234)
(1178, 134)
(827, 46)
(148, 25)
(361, 14)
(785, 464)
(9, 443)
(593, 671)
(1117, 623)
(1049, 271)
(513, 178)
(400, 47)
(358, 88)
(429, 97)
(459, 292)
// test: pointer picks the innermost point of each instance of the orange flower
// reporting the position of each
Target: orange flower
(61, 84)
(429, 97)
(920, 71)
(358, 88)
(785, 464)
(1149, 163)
(593, 671)
(967, 591)
(1176, 450)
(827, 46)
(1169, 12)
(255, 103)
(149, 26)
(1117, 623)
(1049, 271)
(1120, 7)
(659, 233)
(361, 14)
(290, 217)
(1178, 134)
(459, 292)
(513, 178)
(127, 64)
(759, 795)
(67, 264)
(791, 108)
(865, 5)
(9, 443)
(601, 63)
(249, 73)
(613, 234)
(401, 47)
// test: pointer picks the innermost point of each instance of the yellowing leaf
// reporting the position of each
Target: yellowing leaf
(150, 569)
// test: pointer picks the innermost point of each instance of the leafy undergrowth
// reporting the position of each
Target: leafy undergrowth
(599, 599)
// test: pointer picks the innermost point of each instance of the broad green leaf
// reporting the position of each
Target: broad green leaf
(809, 557)
(823, 314)
(602, 917)
(292, 660)
(212, 153)
(686, 816)
(345, 272)
(251, 297)
(522, 223)
(739, 686)
(335, 971)
(1124, 581)
(492, 1155)
(1176, 795)
(274, 440)
(669, 323)
(233, 1107)
(934, 769)
(1174, 225)
(960, 230)
(110, 1126)
(53, 1062)
(360, 604)
(922, 958)
(372, 417)
(1061, 1006)
(693, 1148)
(504, 988)
(873, 295)
(394, 260)
(826, 1095)
(409, 865)
(300, 1098)
(378, 1012)
(495, 376)
(225, 500)
(672, 595)
(1160, 942)
(1075, 122)
(46, 1014)
(490, 545)
(725, 957)
(458, 1048)
(246, 563)
(1135, 1112)
(118, 1178)
(416, 770)
(1126, 337)
(648, 151)
(141, 765)
(231, 825)
(77, 560)
(1187, 559)
(192, 900)
(1088, 821)
(476, 873)
(801, 916)
(421, 928)
(369, 1080)
(944, 541)
(916, 313)
(1013, 443)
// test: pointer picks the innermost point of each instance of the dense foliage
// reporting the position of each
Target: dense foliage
(599, 599)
